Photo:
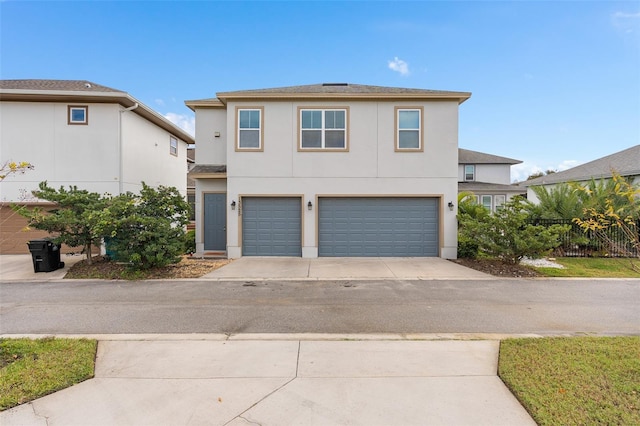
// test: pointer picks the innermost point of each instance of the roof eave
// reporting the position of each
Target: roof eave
(121, 98)
(230, 96)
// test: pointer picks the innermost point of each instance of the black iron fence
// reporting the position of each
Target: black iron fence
(612, 242)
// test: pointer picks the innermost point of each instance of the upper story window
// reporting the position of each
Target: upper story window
(323, 129)
(173, 146)
(469, 172)
(250, 129)
(77, 114)
(409, 129)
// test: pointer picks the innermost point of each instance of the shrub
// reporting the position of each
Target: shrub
(190, 242)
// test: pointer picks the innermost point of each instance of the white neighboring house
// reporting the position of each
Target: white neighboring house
(625, 163)
(332, 169)
(488, 177)
(80, 133)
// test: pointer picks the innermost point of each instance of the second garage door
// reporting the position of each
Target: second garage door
(271, 226)
(378, 226)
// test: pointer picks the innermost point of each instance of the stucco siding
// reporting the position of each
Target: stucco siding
(146, 156)
(62, 154)
(212, 149)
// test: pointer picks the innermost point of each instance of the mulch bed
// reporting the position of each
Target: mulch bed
(498, 268)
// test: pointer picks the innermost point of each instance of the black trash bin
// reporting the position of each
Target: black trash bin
(45, 255)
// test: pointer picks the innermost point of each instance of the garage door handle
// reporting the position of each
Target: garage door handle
(224, 228)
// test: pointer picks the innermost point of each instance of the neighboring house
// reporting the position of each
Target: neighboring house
(84, 134)
(488, 177)
(327, 170)
(625, 163)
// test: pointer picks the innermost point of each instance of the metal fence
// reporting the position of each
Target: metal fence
(612, 242)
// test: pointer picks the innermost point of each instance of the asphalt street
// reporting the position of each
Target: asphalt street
(376, 306)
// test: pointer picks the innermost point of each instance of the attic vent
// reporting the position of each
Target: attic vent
(87, 85)
(335, 84)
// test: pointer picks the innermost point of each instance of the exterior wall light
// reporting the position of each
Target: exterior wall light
(233, 205)
(309, 205)
(450, 205)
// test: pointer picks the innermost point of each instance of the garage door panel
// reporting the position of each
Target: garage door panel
(378, 226)
(271, 226)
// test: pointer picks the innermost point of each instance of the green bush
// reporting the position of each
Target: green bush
(190, 242)
(467, 249)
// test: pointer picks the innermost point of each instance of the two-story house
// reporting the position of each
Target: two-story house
(327, 170)
(488, 177)
(84, 134)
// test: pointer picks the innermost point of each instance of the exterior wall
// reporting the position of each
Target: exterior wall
(212, 149)
(146, 155)
(489, 173)
(370, 167)
(62, 154)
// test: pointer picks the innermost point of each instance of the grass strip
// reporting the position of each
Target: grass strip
(30, 369)
(576, 380)
(594, 268)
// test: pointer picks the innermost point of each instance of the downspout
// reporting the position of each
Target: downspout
(120, 172)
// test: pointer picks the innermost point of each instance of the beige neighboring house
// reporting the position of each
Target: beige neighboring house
(331, 169)
(76, 132)
(488, 177)
(625, 163)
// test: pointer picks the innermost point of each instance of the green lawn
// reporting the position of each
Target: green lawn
(575, 381)
(594, 267)
(30, 369)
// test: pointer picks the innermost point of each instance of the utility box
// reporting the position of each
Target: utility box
(45, 255)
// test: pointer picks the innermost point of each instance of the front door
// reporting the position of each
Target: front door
(215, 222)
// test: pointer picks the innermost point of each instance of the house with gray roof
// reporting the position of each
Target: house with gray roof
(488, 177)
(77, 132)
(330, 170)
(625, 163)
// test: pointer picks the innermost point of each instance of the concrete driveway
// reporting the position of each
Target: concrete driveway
(20, 267)
(340, 268)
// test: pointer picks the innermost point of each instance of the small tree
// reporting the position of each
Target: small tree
(619, 209)
(75, 219)
(508, 236)
(147, 230)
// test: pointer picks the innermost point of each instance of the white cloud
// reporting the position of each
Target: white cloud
(185, 122)
(522, 171)
(626, 22)
(398, 65)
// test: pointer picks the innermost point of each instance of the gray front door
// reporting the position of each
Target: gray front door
(378, 226)
(271, 226)
(215, 222)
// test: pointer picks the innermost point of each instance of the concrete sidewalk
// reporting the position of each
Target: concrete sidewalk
(340, 268)
(284, 382)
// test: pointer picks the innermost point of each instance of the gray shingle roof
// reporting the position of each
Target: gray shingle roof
(208, 169)
(466, 156)
(625, 163)
(340, 88)
(61, 85)
(477, 187)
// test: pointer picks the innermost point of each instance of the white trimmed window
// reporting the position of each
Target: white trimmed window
(249, 129)
(487, 202)
(469, 172)
(173, 146)
(498, 201)
(78, 114)
(323, 129)
(409, 129)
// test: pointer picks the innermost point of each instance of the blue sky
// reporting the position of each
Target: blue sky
(554, 84)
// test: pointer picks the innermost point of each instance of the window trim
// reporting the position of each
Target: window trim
(173, 150)
(464, 172)
(396, 123)
(323, 109)
(496, 206)
(260, 132)
(78, 123)
(490, 209)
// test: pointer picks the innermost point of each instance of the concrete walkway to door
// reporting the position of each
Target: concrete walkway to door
(341, 268)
